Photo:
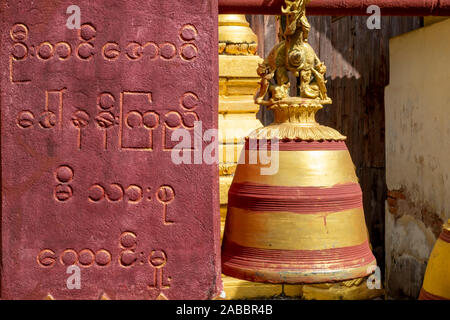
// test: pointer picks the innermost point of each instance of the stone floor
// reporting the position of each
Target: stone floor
(236, 289)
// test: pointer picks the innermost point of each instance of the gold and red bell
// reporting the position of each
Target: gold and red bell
(295, 213)
(305, 222)
(436, 284)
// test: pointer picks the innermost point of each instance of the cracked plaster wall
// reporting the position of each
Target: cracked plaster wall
(417, 153)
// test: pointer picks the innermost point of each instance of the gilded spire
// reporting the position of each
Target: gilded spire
(235, 35)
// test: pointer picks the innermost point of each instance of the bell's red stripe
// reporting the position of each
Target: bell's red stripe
(344, 257)
(292, 145)
(307, 200)
(445, 235)
(425, 295)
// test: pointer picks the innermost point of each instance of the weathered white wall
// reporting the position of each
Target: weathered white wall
(417, 153)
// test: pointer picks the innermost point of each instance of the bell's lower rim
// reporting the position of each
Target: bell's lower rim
(298, 276)
(297, 266)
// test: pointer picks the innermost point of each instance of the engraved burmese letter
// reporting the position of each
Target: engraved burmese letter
(86, 122)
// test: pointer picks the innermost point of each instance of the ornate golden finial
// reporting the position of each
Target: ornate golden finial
(104, 296)
(49, 297)
(294, 115)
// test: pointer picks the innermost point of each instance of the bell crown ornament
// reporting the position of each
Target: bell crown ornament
(304, 221)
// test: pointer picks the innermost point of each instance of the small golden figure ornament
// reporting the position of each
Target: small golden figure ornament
(293, 54)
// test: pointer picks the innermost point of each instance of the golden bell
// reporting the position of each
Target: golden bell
(304, 224)
(295, 212)
(436, 284)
